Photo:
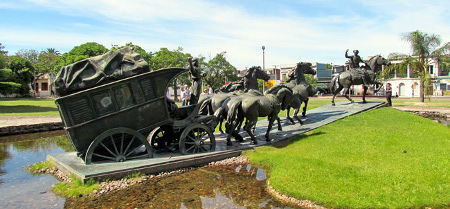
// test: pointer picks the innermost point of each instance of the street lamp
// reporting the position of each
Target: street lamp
(263, 47)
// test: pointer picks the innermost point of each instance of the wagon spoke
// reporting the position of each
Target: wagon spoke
(195, 150)
(190, 148)
(121, 143)
(129, 144)
(102, 156)
(192, 139)
(114, 144)
(133, 151)
(101, 143)
(189, 142)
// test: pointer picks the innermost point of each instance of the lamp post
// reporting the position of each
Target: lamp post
(263, 48)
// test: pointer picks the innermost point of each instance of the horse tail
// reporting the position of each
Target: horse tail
(333, 83)
(233, 111)
(206, 107)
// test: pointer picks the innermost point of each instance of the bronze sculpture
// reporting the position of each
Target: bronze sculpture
(347, 78)
(196, 76)
(249, 81)
(251, 107)
(101, 69)
(354, 66)
(301, 88)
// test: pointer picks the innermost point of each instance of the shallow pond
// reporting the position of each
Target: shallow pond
(207, 187)
(18, 187)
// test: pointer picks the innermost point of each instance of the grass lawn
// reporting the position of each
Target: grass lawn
(384, 158)
(27, 107)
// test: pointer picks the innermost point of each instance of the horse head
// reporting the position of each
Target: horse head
(305, 67)
(258, 73)
(376, 62)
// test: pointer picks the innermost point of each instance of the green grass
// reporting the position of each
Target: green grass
(39, 166)
(359, 162)
(76, 187)
(47, 107)
(27, 107)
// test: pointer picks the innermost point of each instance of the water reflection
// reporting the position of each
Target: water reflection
(212, 187)
(18, 188)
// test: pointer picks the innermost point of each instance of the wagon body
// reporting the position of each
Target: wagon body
(136, 103)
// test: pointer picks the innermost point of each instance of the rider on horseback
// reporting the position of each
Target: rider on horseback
(355, 59)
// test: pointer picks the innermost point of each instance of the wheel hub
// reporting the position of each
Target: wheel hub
(120, 158)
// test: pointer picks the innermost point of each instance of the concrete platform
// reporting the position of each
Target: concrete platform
(69, 163)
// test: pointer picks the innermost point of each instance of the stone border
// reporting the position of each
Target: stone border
(33, 128)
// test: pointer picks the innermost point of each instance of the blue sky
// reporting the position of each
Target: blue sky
(291, 31)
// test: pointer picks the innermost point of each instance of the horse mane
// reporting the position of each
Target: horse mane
(275, 89)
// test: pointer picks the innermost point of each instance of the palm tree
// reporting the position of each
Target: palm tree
(425, 47)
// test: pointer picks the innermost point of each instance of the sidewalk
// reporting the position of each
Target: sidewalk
(12, 125)
(6, 121)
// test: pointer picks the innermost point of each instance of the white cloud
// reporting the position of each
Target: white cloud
(210, 27)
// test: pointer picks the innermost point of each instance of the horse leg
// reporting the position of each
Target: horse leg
(248, 128)
(288, 117)
(335, 93)
(279, 124)
(304, 108)
(229, 132)
(269, 127)
(346, 89)
(364, 94)
(296, 117)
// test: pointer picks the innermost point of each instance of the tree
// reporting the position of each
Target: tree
(218, 71)
(147, 56)
(165, 58)
(425, 48)
(44, 62)
(22, 73)
(3, 57)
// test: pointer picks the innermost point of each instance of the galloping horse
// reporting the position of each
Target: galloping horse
(345, 79)
(251, 107)
(249, 81)
(301, 89)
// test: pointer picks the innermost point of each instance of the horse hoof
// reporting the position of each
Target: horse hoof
(229, 143)
(269, 140)
(254, 142)
(352, 101)
(332, 104)
(364, 102)
(303, 114)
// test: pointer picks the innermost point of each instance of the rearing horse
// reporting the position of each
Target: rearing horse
(248, 82)
(348, 78)
(301, 88)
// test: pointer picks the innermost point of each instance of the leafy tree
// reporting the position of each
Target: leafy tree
(7, 86)
(3, 57)
(425, 47)
(22, 73)
(147, 56)
(164, 58)
(43, 62)
(80, 52)
(218, 71)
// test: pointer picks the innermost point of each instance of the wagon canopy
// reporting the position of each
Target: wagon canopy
(98, 70)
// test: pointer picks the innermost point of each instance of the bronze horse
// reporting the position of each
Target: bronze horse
(251, 107)
(249, 81)
(301, 88)
(348, 78)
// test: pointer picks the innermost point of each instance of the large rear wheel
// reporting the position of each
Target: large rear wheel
(118, 145)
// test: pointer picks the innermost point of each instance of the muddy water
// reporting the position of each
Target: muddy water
(207, 187)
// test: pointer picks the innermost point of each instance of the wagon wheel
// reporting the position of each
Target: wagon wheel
(160, 139)
(197, 138)
(118, 144)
